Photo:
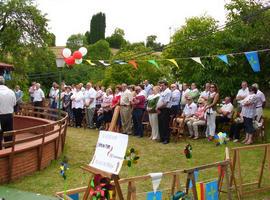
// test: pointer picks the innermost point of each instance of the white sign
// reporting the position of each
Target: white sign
(110, 151)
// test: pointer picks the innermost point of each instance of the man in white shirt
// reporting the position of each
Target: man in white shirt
(7, 103)
(190, 108)
(261, 101)
(38, 96)
(225, 112)
(163, 110)
(52, 95)
(147, 88)
(243, 92)
(90, 103)
(175, 100)
(126, 110)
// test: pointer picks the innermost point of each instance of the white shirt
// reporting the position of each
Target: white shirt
(249, 111)
(77, 99)
(164, 99)
(38, 95)
(7, 100)
(205, 94)
(148, 89)
(227, 108)
(243, 93)
(260, 99)
(90, 94)
(190, 109)
(183, 98)
(175, 99)
(126, 98)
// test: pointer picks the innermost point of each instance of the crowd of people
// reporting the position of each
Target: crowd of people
(161, 105)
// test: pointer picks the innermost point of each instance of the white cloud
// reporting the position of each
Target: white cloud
(138, 18)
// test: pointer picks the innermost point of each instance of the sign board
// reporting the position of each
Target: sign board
(110, 151)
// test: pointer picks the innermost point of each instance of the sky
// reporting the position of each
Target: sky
(138, 18)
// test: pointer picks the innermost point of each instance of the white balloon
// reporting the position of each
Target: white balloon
(83, 50)
(66, 52)
(78, 61)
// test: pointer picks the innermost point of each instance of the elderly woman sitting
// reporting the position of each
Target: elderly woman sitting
(197, 120)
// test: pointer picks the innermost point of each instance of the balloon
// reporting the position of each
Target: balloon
(77, 55)
(70, 60)
(83, 51)
(78, 61)
(66, 52)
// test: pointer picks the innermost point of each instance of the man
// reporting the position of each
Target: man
(185, 91)
(147, 88)
(205, 94)
(260, 102)
(163, 110)
(126, 110)
(225, 112)
(90, 104)
(243, 92)
(194, 92)
(31, 91)
(175, 100)
(7, 103)
(99, 96)
(39, 96)
(52, 95)
(138, 104)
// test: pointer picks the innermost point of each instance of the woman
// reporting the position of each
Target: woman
(19, 95)
(67, 103)
(153, 116)
(197, 120)
(116, 102)
(210, 110)
(249, 112)
(78, 100)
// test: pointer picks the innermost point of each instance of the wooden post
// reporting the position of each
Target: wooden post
(239, 172)
(229, 195)
(175, 184)
(114, 118)
(262, 167)
(131, 191)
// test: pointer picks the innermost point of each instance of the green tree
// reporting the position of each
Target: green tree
(97, 28)
(117, 40)
(151, 42)
(75, 41)
(99, 51)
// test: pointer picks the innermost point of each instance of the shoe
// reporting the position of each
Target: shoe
(249, 142)
(165, 142)
(191, 136)
(236, 140)
(195, 138)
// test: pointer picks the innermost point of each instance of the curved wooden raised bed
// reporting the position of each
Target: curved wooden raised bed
(38, 138)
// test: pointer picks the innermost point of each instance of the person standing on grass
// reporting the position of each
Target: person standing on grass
(163, 110)
(90, 104)
(249, 112)
(39, 96)
(175, 100)
(7, 103)
(31, 92)
(261, 101)
(210, 110)
(19, 96)
(78, 104)
(242, 93)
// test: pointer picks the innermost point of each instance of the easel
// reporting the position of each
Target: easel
(113, 177)
(237, 164)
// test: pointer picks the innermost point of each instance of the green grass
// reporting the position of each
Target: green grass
(154, 157)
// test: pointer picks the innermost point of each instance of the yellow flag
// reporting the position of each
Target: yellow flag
(174, 62)
(89, 61)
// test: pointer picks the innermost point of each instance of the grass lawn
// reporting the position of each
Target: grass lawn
(154, 157)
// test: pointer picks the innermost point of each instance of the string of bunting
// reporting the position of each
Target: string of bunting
(251, 56)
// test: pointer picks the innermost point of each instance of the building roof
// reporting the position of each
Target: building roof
(6, 66)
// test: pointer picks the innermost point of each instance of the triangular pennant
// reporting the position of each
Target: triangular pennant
(174, 62)
(133, 63)
(156, 178)
(90, 62)
(121, 62)
(198, 60)
(154, 63)
(253, 60)
(103, 63)
(211, 190)
(224, 58)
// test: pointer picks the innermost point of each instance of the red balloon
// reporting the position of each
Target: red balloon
(77, 55)
(70, 60)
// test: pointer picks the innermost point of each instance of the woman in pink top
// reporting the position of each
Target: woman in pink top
(197, 120)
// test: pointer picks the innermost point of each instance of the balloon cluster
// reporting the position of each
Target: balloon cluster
(221, 138)
(188, 151)
(131, 157)
(75, 58)
(101, 188)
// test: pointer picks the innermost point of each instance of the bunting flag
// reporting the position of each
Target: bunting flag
(74, 196)
(90, 62)
(174, 62)
(224, 58)
(103, 63)
(200, 191)
(156, 178)
(121, 62)
(211, 190)
(198, 60)
(196, 176)
(253, 60)
(154, 63)
(133, 63)
(154, 196)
